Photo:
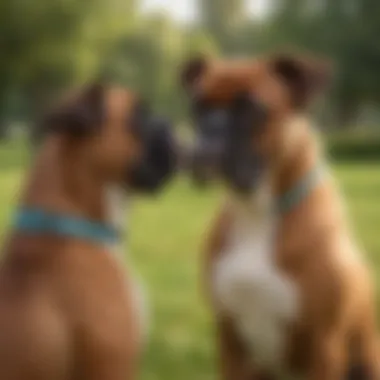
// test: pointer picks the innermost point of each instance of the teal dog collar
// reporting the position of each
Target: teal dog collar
(300, 190)
(36, 221)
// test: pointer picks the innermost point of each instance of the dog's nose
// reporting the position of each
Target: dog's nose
(190, 157)
(207, 152)
(162, 125)
(204, 161)
(159, 162)
(163, 135)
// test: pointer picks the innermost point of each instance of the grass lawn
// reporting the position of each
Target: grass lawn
(163, 240)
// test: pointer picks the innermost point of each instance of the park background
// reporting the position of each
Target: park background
(47, 46)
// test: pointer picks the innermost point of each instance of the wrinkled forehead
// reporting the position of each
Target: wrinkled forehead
(223, 80)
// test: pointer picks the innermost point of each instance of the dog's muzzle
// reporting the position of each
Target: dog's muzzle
(159, 160)
(223, 149)
(210, 145)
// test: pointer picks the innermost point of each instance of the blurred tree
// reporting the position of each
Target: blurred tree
(50, 44)
(144, 59)
(148, 60)
(346, 32)
(53, 43)
(223, 19)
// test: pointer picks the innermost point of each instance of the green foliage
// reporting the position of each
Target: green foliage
(346, 32)
(63, 43)
(148, 60)
(50, 45)
(355, 148)
(223, 20)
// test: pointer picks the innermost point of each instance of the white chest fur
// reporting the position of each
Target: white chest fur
(117, 209)
(248, 285)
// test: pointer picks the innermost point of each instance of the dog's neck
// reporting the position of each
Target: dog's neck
(300, 159)
(61, 181)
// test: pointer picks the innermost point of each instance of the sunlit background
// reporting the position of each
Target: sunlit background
(47, 46)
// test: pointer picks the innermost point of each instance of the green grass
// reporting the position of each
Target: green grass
(164, 239)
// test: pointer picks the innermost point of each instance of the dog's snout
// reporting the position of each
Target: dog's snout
(206, 159)
(208, 152)
(162, 125)
(214, 124)
(160, 157)
(211, 130)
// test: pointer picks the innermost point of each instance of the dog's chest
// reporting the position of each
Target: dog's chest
(249, 286)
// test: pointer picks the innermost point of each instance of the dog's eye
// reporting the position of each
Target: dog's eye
(252, 110)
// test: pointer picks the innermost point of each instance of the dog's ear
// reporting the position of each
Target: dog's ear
(80, 115)
(192, 72)
(305, 77)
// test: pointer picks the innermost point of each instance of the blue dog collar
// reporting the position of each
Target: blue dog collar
(35, 221)
(300, 190)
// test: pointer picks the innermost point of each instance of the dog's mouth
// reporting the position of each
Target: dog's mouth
(239, 168)
(159, 159)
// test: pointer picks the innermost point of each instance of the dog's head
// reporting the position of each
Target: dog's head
(117, 135)
(240, 110)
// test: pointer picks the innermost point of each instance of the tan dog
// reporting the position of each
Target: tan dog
(67, 309)
(288, 286)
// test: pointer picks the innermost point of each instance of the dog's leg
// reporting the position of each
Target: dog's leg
(368, 365)
(359, 372)
(366, 346)
(262, 376)
(235, 362)
(372, 360)
(371, 351)
(329, 360)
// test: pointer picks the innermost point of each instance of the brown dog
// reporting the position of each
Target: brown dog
(67, 309)
(289, 288)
